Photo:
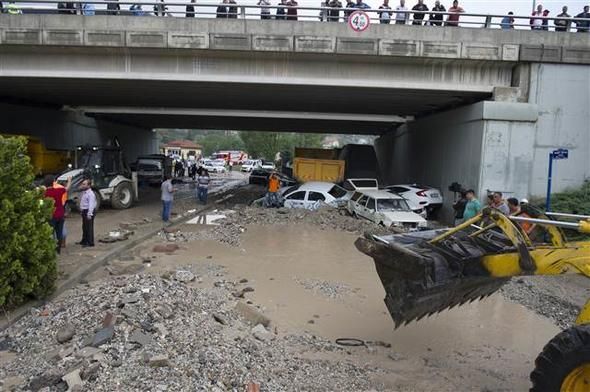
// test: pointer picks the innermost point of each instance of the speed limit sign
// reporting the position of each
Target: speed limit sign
(359, 21)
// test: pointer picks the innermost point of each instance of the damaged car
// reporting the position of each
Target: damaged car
(386, 209)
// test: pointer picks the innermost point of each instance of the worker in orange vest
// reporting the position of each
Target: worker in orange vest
(64, 201)
(272, 195)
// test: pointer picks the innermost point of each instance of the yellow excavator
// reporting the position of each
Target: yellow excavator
(430, 271)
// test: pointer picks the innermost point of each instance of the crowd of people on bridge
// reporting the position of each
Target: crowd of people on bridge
(336, 11)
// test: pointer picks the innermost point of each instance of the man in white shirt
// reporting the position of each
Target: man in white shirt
(88, 210)
(385, 12)
(400, 16)
(167, 198)
(264, 9)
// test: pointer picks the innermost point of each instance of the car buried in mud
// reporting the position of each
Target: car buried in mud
(385, 209)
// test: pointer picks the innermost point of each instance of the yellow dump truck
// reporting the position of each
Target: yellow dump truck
(43, 160)
(314, 164)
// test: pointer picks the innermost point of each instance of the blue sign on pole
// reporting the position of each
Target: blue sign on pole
(560, 153)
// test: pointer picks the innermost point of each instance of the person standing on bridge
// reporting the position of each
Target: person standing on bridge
(264, 9)
(281, 11)
(88, 212)
(113, 8)
(334, 13)
(455, 11)
(385, 13)
(437, 19)
(419, 17)
(203, 186)
(222, 10)
(350, 6)
(536, 21)
(167, 198)
(361, 5)
(232, 10)
(292, 9)
(563, 24)
(546, 20)
(190, 9)
(507, 22)
(583, 26)
(401, 13)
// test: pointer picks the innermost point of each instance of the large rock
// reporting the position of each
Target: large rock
(103, 336)
(252, 315)
(66, 333)
(260, 333)
(73, 380)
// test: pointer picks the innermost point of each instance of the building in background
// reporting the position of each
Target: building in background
(183, 149)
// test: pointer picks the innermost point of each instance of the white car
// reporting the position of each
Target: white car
(213, 166)
(386, 209)
(419, 197)
(268, 166)
(251, 164)
(312, 194)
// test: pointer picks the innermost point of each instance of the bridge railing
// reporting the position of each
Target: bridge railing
(287, 12)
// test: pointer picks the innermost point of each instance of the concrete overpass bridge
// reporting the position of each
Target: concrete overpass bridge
(479, 106)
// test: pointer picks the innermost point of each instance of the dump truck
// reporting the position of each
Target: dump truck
(427, 272)
(44, 160)
(315, 164)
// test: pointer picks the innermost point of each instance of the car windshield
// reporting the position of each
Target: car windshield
(337, 192)
(392, 205)
(291, 189)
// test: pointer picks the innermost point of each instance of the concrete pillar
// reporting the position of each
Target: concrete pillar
(481, 146)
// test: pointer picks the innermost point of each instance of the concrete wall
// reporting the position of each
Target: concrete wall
(66, 130)
(436, 151)
(562, 93)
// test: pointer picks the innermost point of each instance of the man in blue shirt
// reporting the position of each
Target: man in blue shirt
(507, 22)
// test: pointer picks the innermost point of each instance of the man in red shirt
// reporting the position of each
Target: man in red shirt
(57, 219)
(453, 18)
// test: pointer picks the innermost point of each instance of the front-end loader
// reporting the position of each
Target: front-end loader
(427, 272)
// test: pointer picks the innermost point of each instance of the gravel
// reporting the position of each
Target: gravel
(333, 290)
(170, 336)
(558, 298)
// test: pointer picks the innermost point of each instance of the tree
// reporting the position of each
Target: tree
(27, 248)
(267, 144)
(218, 141)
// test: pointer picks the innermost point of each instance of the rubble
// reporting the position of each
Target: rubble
(65, 334)
(229, 229)
(178, 338)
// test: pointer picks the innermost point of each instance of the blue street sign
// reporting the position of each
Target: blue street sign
(560, 153)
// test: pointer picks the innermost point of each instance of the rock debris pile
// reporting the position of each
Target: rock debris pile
(230, 228)
(144, 332)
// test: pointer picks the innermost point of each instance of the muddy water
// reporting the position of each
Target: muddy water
(316, 281)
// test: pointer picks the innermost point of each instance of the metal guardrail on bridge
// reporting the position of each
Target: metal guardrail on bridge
(282, 12)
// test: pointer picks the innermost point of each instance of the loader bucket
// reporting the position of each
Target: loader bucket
(421, 279)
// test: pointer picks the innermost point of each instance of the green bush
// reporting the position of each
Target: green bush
(570, 201)
(573, 201)
(27, 248)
